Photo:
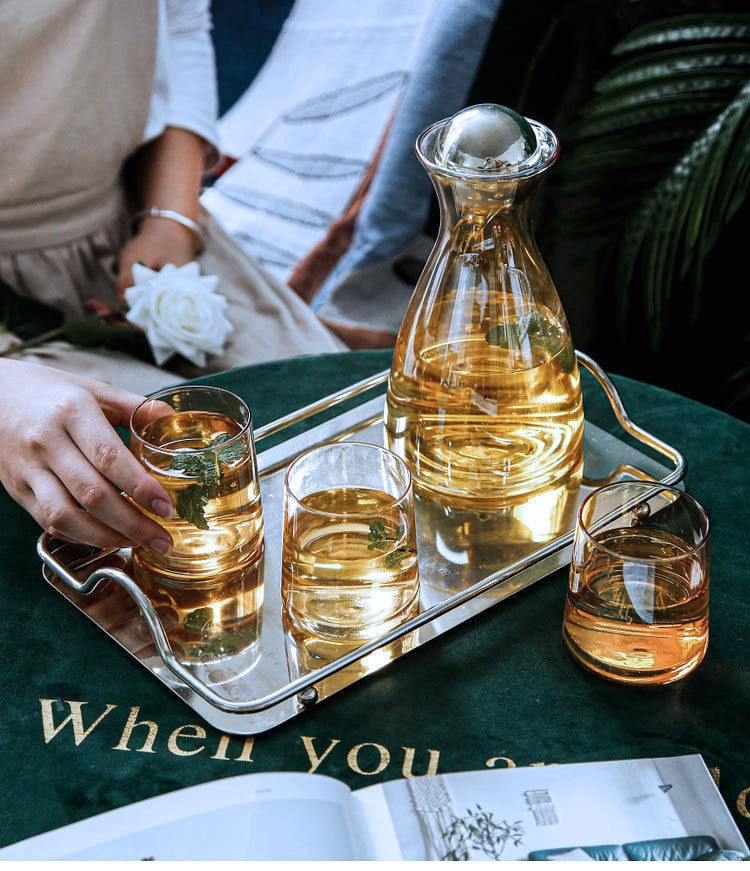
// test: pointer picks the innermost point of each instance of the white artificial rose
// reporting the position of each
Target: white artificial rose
(179, 310)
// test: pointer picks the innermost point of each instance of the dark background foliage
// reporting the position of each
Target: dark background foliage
(548, 71)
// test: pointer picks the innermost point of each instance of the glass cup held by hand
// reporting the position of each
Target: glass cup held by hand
(349, 561)
(637, 604)
(198, 443)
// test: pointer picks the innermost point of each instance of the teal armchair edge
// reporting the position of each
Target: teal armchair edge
(693, 847)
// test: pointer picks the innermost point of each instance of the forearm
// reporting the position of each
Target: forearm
(165, 175)
(168, 172)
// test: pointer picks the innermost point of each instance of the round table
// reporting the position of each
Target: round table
(85, 728)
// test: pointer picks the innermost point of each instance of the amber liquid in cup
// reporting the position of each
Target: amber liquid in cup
(637, 604)
(349, 561)
(338, 583)
(211, 581)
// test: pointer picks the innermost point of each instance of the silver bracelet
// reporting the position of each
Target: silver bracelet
(171, 215)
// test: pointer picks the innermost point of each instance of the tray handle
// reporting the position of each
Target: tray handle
(679, 462)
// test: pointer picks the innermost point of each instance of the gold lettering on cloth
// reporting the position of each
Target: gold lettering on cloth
(742, 808)
(148, 744)
(315, 760)
(492, 762)
(714, 772)
(74, 718)
(407, 769)
(245, 756)
(352, 758)
(197, 732)
(247, 749)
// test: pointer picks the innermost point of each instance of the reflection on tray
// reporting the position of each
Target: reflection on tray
(456, 546)
(307, 654)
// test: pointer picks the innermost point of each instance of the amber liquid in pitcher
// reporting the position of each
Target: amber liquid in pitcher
(485, 424)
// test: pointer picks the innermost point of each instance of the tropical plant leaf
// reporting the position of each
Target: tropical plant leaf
(660, 160)
(736, 171)
(672, 224)
(676, 87)
(648, 115)
(674, 61)
(686, 28)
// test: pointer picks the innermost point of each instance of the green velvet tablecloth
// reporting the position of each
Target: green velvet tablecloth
(84, 728)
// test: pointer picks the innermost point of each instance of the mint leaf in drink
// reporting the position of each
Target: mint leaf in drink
(193, 465)
(529, 325)
(534, 324)
(380, 539)
(206, 468)
(376, 536)
(203, 466)
(497, 336)
(207, 465)
(229, 453)
(199, 620)
(567, 358)
(191, 503)
(395, 558)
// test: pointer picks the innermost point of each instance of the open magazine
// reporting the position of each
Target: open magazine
(663, 808)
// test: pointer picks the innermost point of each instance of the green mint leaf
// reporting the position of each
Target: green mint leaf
(376, 538)
(198, 621)
(535, 325)
(191, 503)
(497, 336)
(380, 539)
(204, 467)
(395, 558)
(568, 358)
(230, 453)
(207, 465)
(193, 465)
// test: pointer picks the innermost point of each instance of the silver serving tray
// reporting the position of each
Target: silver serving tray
(466, 566)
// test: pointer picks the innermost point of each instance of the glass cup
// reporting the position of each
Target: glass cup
(198, 443)
(637, 604)
(349, 557)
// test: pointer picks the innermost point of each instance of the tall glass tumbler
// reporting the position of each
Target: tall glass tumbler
(637, 604)
(349, 560)
(198, 443)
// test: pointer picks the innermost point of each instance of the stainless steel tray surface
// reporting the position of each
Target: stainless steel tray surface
(467, 563)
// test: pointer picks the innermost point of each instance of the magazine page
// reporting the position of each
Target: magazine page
(511, 813)
(251, 816)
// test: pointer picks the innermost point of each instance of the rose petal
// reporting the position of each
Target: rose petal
(180, 311)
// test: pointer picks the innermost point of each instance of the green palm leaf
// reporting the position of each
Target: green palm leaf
(661, 160)
(686, 28)
(669, 62)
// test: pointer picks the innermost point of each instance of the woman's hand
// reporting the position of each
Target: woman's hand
(158, 241)
(63, 462)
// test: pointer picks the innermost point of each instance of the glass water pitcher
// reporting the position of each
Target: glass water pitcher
(484, 397)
